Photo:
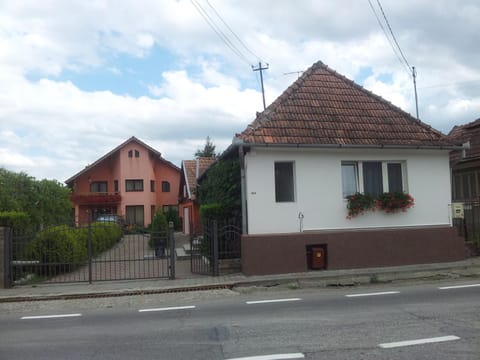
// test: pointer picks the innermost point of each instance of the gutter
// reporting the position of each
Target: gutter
(239, 142)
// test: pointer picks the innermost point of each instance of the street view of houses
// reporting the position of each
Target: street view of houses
(335, 221)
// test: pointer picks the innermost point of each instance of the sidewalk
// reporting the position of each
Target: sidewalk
(469, 268)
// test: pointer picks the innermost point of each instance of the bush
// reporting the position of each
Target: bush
(212, 212)
(159, 231)
(16, 220)
(58, 245)
(66, 248)
(172, 215)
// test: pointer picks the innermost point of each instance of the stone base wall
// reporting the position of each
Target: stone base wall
(289, 253)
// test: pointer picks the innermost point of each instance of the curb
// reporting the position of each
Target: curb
(303, 280)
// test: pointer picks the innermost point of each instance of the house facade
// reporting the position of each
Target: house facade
(132, 180)
(465, 163)
(189, 209)
(324, 139)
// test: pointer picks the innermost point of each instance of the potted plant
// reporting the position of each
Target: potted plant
(358, 203)
(390, 202)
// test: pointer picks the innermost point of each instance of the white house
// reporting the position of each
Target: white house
(326, 138)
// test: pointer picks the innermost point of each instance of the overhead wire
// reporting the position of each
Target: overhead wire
(223, 37)
(400, 57)
(233, 32)
(393, 35)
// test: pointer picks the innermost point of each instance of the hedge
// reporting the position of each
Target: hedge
(60, 245)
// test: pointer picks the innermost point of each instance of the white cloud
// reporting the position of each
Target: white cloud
(52, 128)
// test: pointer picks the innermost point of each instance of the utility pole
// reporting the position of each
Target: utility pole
(260, 68)
(414, 74)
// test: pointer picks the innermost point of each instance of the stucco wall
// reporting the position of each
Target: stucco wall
(318, 190)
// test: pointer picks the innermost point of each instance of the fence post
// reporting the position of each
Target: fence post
(171, 242)
(215, 248)
(89, 248)
(5, 258)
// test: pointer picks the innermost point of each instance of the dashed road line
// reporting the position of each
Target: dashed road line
(35, 317)
(419, 341)
(374, 294)
(458, 286)
(272, 357)
(272, 301)
(173, 308)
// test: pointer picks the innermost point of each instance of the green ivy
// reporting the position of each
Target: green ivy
(220, 189)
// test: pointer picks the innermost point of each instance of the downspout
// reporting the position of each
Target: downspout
(241, 156)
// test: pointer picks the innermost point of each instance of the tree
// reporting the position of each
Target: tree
(208, 149)
(44, 202)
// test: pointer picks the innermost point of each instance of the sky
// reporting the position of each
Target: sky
(78, 78)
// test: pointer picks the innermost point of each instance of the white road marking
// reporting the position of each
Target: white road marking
(458, 287)
(272, 301)
(49, 316)
(419, 341)
(272, 357)
(169, 308)
(374, 294)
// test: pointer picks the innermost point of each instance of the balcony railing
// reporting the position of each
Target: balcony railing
(95, 198)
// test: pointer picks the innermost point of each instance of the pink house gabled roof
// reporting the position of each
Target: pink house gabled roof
(106, 156)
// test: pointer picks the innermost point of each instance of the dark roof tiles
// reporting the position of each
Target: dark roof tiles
(324, 108)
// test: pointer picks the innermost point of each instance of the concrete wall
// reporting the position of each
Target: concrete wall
(287, 253)
(318, 190)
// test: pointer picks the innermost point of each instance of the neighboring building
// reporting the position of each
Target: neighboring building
(325, 138)
(465, 163)
(132, 180)
(189, 209)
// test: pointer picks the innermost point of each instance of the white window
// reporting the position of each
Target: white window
(373, 177)
(284, 182)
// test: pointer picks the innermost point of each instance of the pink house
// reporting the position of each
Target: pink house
(132, 180)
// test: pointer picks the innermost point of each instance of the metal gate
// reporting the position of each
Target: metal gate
(96, 252)
(217, 250)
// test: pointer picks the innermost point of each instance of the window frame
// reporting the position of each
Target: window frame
(98, 184)
(385, 179)
(291, 196)
(135, 183)
(165, 186)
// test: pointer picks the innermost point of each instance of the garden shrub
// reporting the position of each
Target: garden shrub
(58, 245)
(16, 220)
(62, 245)
(158, 235)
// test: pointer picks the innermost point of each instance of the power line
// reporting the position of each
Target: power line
(403, 60)
(218, 31)
(233, 32)
(386, 35)
(393, 35)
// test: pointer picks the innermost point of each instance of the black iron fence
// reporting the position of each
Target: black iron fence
(95, 252)
(469, 225)
(217, 249)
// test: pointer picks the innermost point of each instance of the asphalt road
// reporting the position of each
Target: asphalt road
(426, 321)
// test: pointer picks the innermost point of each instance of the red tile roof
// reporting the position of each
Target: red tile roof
(193, 169)
(325, 108)
(466, 133)
(154, 152)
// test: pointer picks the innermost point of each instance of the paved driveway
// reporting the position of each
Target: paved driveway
(130, 258)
